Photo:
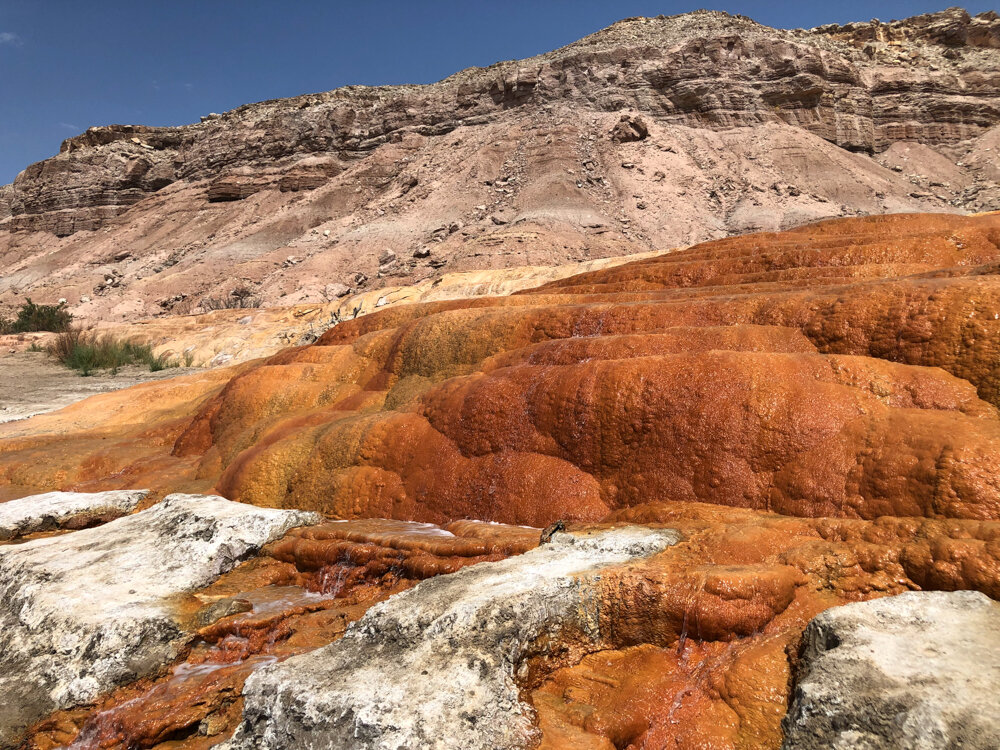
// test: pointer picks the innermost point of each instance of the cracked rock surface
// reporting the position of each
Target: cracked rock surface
(59, 509)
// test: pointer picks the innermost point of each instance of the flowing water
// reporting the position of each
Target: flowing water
(210, 669)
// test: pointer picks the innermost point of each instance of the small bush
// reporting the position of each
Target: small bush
(31, 318)
(85, 353)
(239, 299)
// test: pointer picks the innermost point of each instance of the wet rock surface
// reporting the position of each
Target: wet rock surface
(298, 595)
(693, 648)
(701, 636)
(86, 611)
(911, 671)
(436, 666)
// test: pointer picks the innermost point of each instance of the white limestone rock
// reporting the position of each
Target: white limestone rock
(434, 666)
(54, 510)
(86, 611)
(911, 672)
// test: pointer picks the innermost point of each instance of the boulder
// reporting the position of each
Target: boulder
(918, 670)
(54, 510)
(629, 129)
(336, 290)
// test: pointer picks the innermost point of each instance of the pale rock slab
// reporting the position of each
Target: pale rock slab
(84, 612)
(435, 666)
(53, 510)
(911, 672)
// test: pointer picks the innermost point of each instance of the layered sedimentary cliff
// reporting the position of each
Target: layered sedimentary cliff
(729, 126)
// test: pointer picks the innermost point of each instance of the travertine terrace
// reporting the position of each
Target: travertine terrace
(740, 492)
(814, 412)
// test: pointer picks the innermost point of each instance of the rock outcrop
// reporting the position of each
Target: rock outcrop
(65, 510)
(837, 384)
(68, 194)
(725, 607)
(911, 671)
(436, 665)
(952, 28)
(729, 126)
(84, 612)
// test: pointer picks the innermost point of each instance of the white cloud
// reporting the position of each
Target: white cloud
(69, 126)
(9, 37)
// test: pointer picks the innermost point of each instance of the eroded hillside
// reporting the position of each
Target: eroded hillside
(729, 127)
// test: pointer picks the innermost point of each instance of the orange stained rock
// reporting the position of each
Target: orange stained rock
(847, 368)
(710, 696)
(113, 440)
(414, 550)
(300, 595)
(197, 703)
(696, 644)
(699, 641)
(802, 434)
(918, 241)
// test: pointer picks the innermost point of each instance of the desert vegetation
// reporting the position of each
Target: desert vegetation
(239, 299)
(87, 351)
(32, 318)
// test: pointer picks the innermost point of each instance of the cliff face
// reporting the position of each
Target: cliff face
(735, 124)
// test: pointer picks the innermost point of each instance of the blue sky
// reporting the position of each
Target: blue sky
(66, 65)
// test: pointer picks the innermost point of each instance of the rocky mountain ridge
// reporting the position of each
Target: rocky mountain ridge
(729, 126)
(706, 69)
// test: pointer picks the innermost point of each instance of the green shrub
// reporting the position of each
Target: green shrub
(85, 353)
(31, 318)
